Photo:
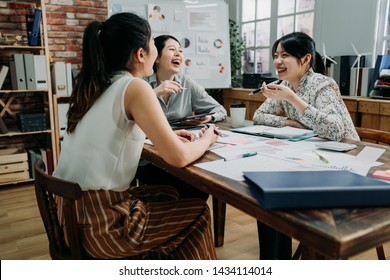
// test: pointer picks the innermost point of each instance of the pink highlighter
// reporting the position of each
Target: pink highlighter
(381, 174)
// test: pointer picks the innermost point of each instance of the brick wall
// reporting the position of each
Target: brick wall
(66, 21)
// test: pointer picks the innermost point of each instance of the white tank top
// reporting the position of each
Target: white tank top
(104, 150)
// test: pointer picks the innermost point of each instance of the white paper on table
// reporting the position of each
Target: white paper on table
(234, 169)
(274, 160)
(370, 154)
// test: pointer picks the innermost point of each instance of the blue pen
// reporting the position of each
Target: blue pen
(245, 155)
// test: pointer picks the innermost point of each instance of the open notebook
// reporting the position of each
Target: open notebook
(286, 132)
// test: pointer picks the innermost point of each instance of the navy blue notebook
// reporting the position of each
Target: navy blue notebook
(317, 189)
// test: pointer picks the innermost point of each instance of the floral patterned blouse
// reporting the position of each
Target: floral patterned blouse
(326, 114)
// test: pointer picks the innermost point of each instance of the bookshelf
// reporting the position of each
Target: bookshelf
(15, 105)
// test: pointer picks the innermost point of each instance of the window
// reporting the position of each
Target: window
(384, 28)
(263, 21)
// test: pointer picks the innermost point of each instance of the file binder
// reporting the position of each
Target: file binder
(18, 76)
(29, 71)
(69, 79)
(3, 127)
(33, 155)
(62, 118)
(316, 189)
(59, 79)
(40, 72)
(3, 74)
(35, 28)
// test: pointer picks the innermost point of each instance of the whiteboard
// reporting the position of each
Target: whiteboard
(202, 29)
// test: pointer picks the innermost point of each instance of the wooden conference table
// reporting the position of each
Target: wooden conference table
(337, 233)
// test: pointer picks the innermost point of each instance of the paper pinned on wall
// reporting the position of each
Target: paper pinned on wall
(178, 15)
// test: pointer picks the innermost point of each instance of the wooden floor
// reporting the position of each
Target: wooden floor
(22, 235)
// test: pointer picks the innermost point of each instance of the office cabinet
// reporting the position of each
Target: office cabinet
(375, 113)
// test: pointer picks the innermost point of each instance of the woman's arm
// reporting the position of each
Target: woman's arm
(268, 114)
(326, 114)
(142, 106)
(202, 102)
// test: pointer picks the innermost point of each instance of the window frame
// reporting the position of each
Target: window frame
(383, 25)
(274, 18)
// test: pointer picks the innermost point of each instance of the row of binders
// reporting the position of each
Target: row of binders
(28, 72)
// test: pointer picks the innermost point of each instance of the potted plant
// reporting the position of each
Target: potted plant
(237, 49)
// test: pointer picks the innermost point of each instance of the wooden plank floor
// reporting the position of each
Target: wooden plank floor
(22, 235)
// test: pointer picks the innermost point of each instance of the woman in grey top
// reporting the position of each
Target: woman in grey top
(179, 95)
(306, 98)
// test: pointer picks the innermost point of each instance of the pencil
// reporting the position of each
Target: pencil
(322, 158)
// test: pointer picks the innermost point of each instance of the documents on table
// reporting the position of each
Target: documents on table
(234, 169)
(265, 154)
(238, 138)
(282, 155)
(370, 154)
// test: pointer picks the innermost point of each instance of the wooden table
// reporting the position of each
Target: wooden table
(324, 233)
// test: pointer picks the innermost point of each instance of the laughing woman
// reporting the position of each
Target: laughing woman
(178, 94)
(306, 98)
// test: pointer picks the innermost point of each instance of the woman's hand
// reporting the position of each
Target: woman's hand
(167, 87)
(210, 133)
(185, 135)
(277, 92)
(280, 92)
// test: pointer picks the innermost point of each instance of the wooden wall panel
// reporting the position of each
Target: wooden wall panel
(365, 112)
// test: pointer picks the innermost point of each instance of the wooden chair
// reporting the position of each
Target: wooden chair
(374, 135)
(366, 135)
(46, 187)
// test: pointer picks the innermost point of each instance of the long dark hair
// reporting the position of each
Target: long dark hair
(159, 42)
(298, 44)
(107, 47)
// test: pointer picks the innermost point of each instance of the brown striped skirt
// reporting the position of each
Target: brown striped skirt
(149, 221)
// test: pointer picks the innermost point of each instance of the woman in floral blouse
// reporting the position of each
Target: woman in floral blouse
(306, 98)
